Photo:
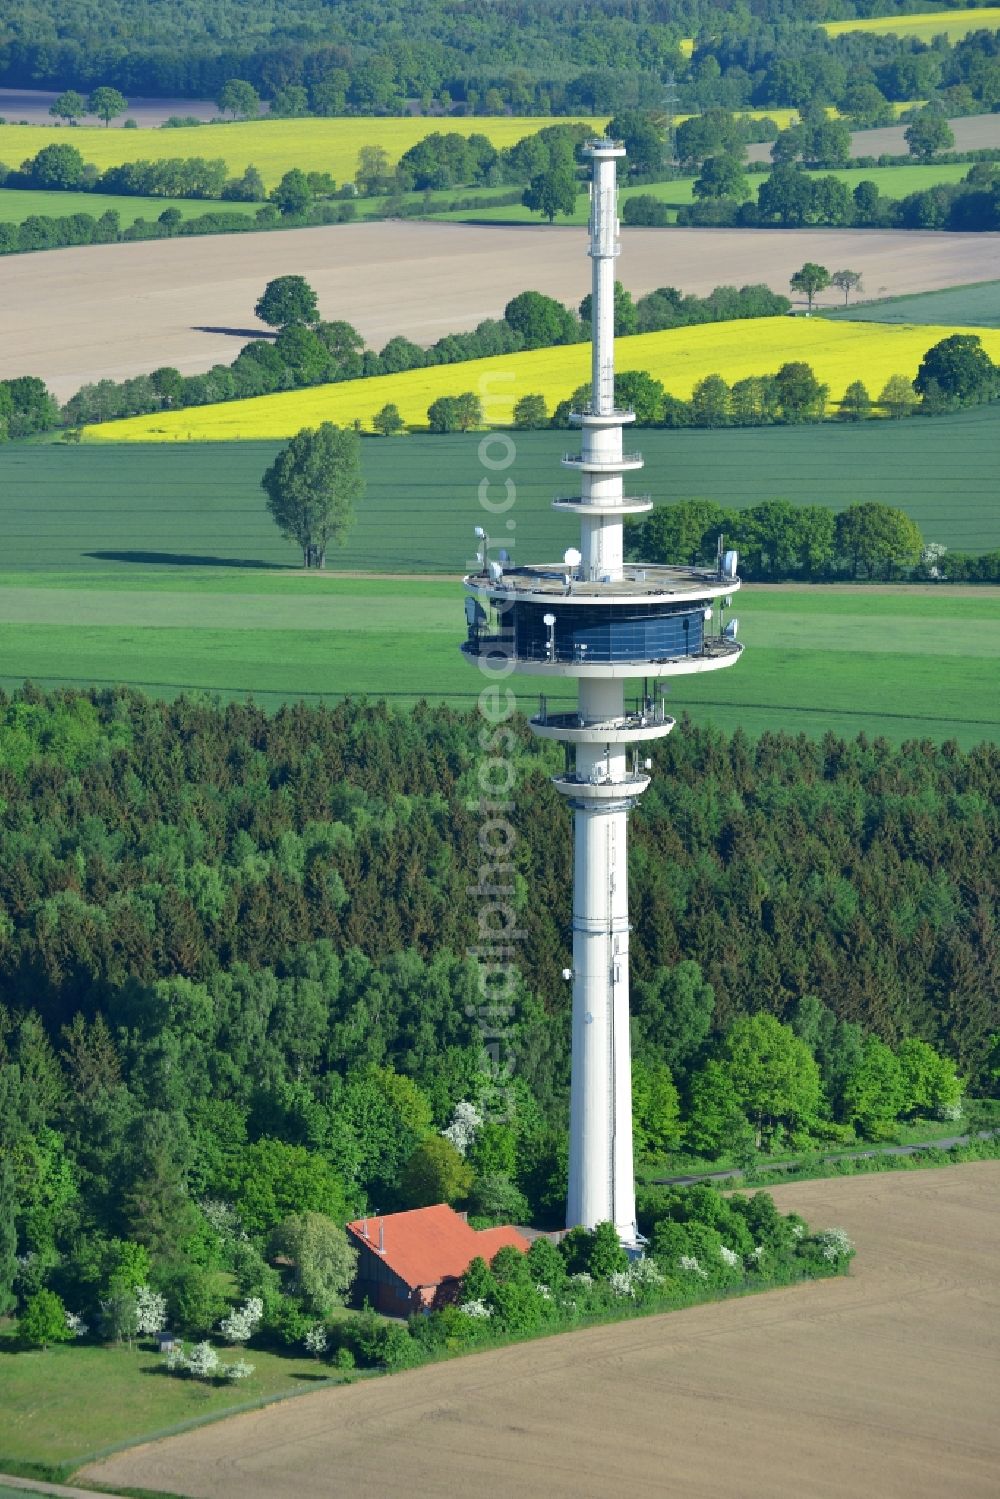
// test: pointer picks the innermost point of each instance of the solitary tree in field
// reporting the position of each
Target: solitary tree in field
(846, 281)
(810, 279)
(388, 421)
(287, 300)
(312, 486)
(240, 99)
(107, 104)
(69, 106)
(551, 192)
(928, 134)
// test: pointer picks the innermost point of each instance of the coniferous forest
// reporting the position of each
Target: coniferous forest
(234, 951)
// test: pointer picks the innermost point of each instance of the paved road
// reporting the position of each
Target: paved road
(846, 1155)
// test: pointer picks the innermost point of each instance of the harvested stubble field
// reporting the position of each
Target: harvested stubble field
(114, 311)
(971, 132)
(879, 1383)
(839, 352)
(954, 24)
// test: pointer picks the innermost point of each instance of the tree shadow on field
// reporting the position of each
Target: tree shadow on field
(237, 332)
(302, 1374)
(189, 559)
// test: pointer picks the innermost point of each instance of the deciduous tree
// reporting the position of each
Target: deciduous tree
(810, 279)
(239, 98)
(287, 299)
(107, 104)
(846, 281)
(552, 192)
(312, 487)
(928, 134)
(69, 106)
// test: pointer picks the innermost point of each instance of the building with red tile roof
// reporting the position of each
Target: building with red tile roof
(413, 1261)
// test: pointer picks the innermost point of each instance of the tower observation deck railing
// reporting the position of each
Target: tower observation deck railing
(712, 647)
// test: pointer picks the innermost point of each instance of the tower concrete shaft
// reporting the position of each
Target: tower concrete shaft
(603, 622)
(601, 1172)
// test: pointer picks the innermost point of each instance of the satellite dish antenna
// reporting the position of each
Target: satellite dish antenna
(731, 628)
(495, 572)
(548, 619)
(572, 557)
(729, 562)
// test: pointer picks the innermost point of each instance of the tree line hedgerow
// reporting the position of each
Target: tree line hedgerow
(310, 351)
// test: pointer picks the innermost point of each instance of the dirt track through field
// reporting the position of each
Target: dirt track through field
(112, 311)
(882, 1384)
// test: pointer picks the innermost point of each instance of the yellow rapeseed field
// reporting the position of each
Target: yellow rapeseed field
(952, 23)
(838, 352)
(275, 146)
(272, 146)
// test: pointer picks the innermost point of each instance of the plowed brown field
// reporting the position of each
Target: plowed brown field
(881, 1384)
(79, 315)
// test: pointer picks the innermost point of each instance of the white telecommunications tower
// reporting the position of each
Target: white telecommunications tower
(605, 623)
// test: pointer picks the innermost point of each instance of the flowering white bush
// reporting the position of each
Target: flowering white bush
(834, 1244)
(950, 1110)
(316, 1340)
(645, 1273)
(239, 1369)
(544, 1291)
(620, 1282)
(689, 1263)
(476, 1309)
(76, 1325)
(150, 1311)
(730, 1257)
(202, 1361)
(177, 1359)
(465, 1125)
(243, 1321)
(223, 1218)
(582, 1278)
(758, 1252)
(798, 1230)
(931, 556)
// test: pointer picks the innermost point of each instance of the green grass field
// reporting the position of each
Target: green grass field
(16, 206)
(65, 1404)
(160, 568)
(80, 507)
(903, 664)
(976, 306)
